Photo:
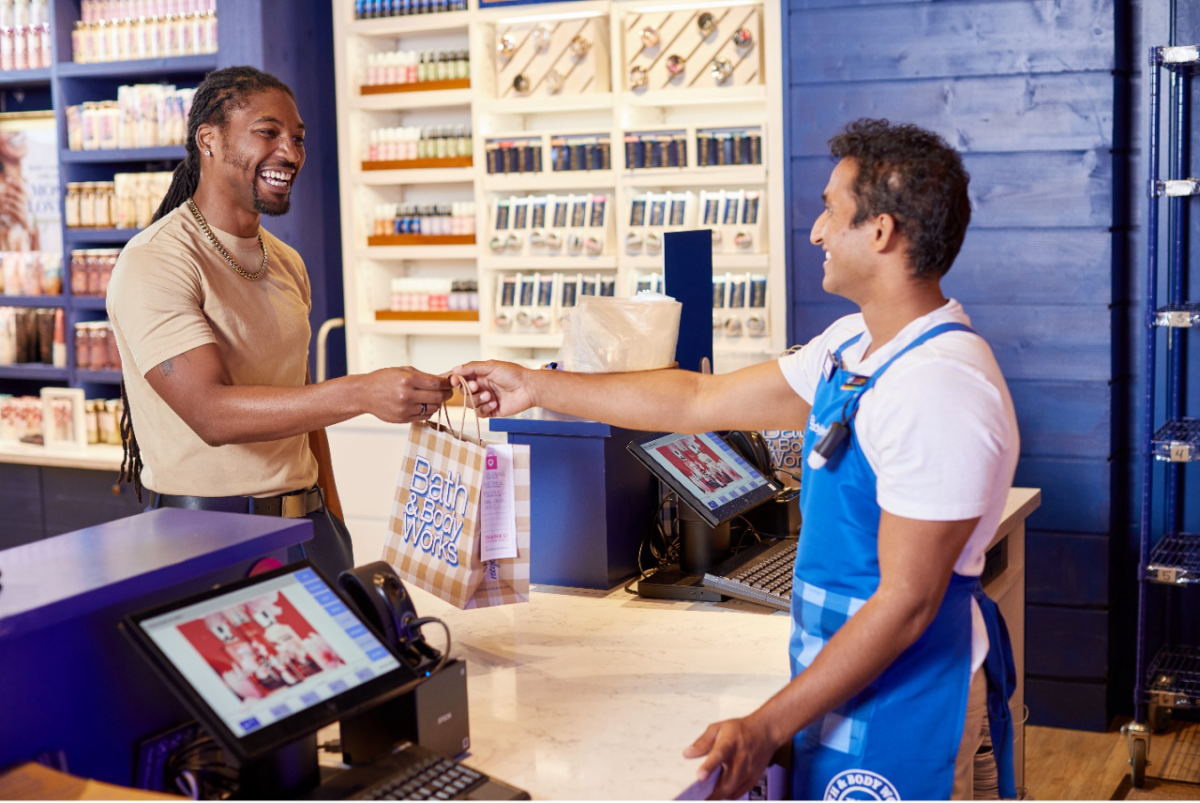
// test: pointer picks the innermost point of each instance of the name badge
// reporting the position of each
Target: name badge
(830, 366)
(854, 382)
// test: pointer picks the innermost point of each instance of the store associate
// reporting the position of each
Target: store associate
(211, 317)
(891, 624)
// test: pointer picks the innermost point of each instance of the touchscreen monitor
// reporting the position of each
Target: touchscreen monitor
(707, 474)
(267, 660)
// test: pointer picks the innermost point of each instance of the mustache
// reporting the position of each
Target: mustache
(287, 165)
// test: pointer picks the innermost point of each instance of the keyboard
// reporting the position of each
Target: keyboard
(431, 778)
(411, 772)
(761, 574)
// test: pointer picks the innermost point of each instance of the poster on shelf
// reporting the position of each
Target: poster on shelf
(30, 209)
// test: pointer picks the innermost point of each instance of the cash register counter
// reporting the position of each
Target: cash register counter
(593, 694)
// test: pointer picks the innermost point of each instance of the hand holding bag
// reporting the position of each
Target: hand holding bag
(434, 531)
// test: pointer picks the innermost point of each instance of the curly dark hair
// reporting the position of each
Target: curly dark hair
(917, 178)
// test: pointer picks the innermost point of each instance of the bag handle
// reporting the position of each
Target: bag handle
(444, 414)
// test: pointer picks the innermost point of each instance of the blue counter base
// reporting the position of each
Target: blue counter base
(591, 501)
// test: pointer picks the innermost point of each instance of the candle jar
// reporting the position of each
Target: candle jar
(78, 277)
(114, 353)
(98, 346)
(87, 204)
(72, 204)
(83, 350)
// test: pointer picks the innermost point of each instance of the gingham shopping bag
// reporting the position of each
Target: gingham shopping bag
(506, 581)
(433, 538)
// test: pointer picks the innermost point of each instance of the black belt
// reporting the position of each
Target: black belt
(293, 505)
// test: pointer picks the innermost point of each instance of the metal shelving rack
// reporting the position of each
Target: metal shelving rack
(1171, 678)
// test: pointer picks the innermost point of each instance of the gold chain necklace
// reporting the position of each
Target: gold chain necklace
(212, 238)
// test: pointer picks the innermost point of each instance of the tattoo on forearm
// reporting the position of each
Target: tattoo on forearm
(167, 367)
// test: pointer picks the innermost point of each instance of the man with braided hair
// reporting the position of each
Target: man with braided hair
(211, 312)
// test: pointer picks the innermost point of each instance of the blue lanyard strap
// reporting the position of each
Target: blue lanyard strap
(852, 408)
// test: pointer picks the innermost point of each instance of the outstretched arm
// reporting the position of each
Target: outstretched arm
(757, 397)
(197, 387)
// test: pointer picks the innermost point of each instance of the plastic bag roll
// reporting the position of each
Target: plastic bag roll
(606, 335)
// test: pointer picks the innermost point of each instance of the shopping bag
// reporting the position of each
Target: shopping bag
(433, 533)
(506, 580)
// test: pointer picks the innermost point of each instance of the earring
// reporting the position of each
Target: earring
(208, 153)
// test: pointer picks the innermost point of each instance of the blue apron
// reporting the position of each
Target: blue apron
(899, 737)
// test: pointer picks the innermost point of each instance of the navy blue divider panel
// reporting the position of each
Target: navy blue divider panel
(1026, 92)
(293, 39)
(21, 501)
(75, 498)
(69, 680)
(687, 277)
(590, 500)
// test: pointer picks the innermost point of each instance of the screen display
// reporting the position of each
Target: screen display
(706, 467)
(268, 651)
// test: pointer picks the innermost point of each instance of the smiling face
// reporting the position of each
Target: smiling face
(846, 246)
(257, 154)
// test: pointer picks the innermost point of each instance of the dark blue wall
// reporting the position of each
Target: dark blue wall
(1034, 95)
(293, 39)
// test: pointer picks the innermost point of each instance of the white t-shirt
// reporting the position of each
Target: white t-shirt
(938, 429)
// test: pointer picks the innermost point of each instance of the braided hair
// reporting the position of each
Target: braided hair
(221, 92)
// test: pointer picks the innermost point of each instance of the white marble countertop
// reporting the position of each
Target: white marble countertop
(594, 695)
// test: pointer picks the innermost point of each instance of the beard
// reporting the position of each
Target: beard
(269, 207)
(262, 205)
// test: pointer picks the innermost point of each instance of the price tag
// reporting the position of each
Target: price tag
(1181, 453)
(498, 516)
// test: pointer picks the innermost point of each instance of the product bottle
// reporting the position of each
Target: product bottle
(397, 73)
(60, 339)
(410, 64)
(371, 78)
(464, 141)
(440, 143)
(422, 69)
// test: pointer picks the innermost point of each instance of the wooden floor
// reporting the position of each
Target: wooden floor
(1074, 765)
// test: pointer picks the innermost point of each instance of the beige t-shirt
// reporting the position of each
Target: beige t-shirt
(172, 292)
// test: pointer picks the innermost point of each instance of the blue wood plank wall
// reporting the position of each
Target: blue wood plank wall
(1031, 94)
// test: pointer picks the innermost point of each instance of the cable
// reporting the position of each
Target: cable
(419, 623)
(669, 549)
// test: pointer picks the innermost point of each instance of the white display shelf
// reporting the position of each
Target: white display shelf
(550, 180)
(540, 117)
(721, 262)
(436, 328)
(420, 175)
(96, 457)
(393, 101)
(554, 263)
(417, 252)
(412, 23)
(714, 177)
(525, 341)
(749, 345)
(548, 104)
(694, 97)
